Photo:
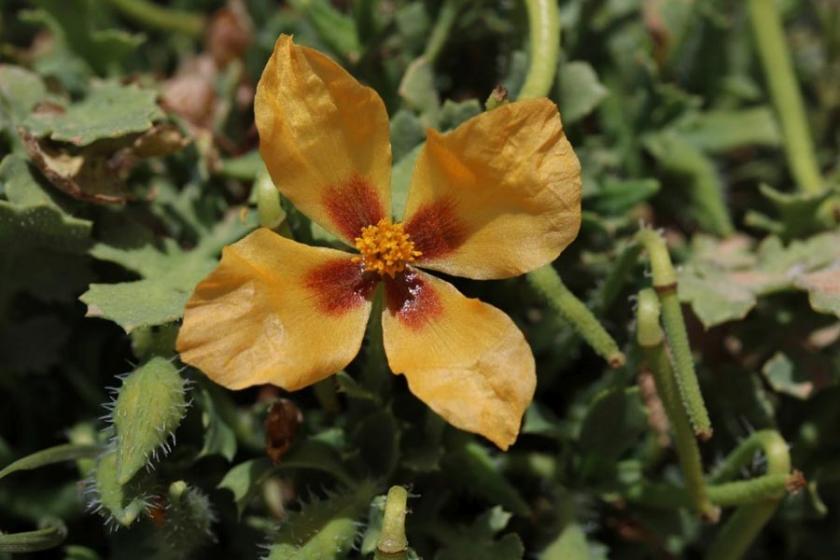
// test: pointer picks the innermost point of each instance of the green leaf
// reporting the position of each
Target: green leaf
(219, 436)
(352, 388)
(76, 552)
(696, 171)
(569, 545)
(401, 181)
(724, 279)
(378, 439)
(474, 469)
(50, 456)
(783, 377)
(110, 110)
(244, 479)
(336, 29)
(407, 132)
(613, 423)
(71, 22)
(726, 130)
(170, 276)
(823, 289)
(418, 90)
(52, 535)
(20, 91)
(31, 218)
(454, 113)
(477, 542)
(148, 409)
(317, 455)
(579, 90)
(618, 196)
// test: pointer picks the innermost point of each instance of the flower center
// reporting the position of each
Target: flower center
(385, 248)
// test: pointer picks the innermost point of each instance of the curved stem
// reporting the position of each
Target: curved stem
(440, 32)
(651, 339)
(665, 284)
(549, 284)
(158, 17)
(742, 528)
(784, 90)
(544, 26)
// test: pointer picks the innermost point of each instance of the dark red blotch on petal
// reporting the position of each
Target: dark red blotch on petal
(436, 229)
(353, 205)
(411, 299)
(340, 285)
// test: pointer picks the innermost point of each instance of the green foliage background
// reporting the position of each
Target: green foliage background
(128, 161)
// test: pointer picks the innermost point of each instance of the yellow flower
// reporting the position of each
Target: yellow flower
(496, 197)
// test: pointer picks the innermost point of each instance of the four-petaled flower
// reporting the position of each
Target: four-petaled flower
(494, 198)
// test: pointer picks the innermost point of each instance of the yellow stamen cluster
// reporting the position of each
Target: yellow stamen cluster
(385, 248)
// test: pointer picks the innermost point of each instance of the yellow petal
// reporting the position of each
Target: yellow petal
(465, 359)
(324, 138)
(276, 311)
(498, 196)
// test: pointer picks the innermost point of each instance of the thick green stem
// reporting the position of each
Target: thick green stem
(742, 528)
(784, 90)
(544, 26)
(158, 17)
(376, 375)
(665, 284)
(440, 32)
(651, 339)
(548, 283)
(392, 539)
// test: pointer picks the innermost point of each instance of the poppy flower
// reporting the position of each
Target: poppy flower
(494, 198)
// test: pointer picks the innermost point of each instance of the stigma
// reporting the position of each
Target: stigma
(385, 248)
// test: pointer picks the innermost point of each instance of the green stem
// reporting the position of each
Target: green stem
(665, 284)
(549, 284)
(617, 276)
(756, 489)
(784, 90)
(327, 395)
(392, 539)
(544, 25)
(376, 374)
(651, 339)
(679, 157)
(159, 17)
(742, 528)
(440, 32)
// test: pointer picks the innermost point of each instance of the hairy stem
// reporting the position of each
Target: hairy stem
(158, 17)
(665, 284)
(784, 90)
(544, 26)
(549, 284)
(742, 528)
(651, 339)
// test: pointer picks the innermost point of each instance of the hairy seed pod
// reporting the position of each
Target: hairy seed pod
(324, 529)
(148, 409)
